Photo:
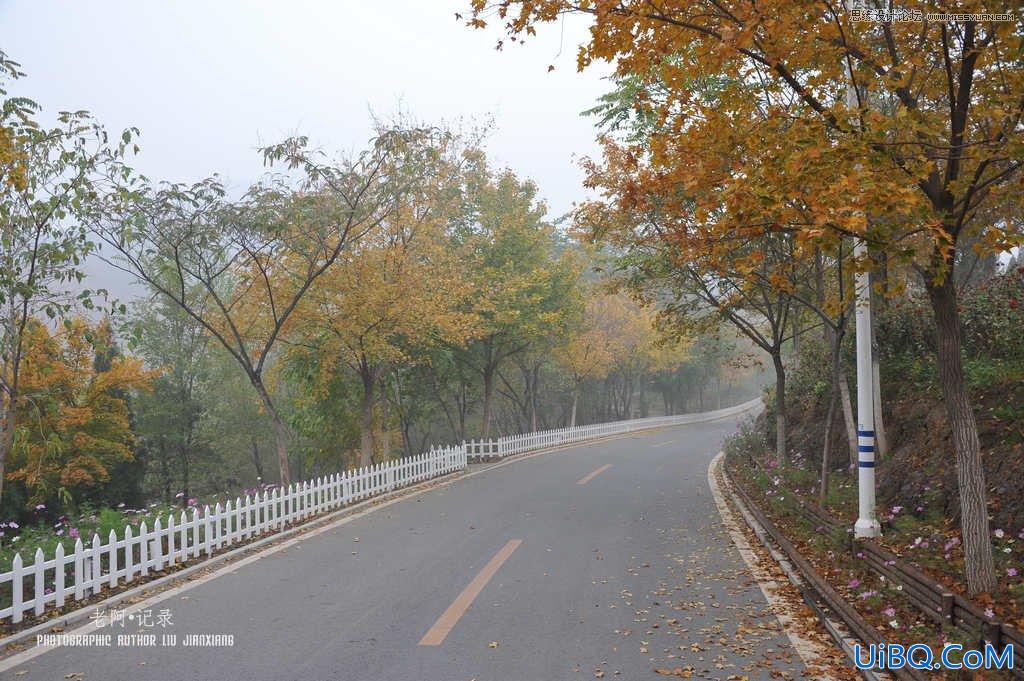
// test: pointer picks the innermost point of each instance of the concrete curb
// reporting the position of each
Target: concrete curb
(836, 629)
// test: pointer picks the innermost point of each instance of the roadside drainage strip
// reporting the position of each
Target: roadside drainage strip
(838, 621)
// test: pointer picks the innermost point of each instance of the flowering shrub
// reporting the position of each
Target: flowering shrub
(26, 537)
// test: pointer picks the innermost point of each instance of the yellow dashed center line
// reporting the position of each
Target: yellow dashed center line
(593, 474)
(449, 618)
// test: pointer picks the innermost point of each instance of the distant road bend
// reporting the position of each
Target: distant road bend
(604, 560)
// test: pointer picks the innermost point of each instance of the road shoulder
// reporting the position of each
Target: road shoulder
(811, 642)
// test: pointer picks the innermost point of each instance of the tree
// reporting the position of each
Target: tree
(50, 180)
(173, 342)
(695, 290)
(73, 413)
(933, 143)
(390, 296)
(240, 269)
(591, 348)
(518, 280)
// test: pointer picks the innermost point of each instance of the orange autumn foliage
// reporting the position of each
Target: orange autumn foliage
(74, 415)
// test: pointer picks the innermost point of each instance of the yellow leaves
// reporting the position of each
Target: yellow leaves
(12, 160)
(73, 417)
(771, 142)
(615, 332)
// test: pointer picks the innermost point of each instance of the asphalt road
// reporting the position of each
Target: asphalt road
(627, 573)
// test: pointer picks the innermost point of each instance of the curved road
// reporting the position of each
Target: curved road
(605, 560)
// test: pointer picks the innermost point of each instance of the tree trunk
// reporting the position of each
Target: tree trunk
(257, 460)
(980, 572)
(366, 417)
(848, 419)
(533, 398)
(877, 302)
(881, 439)
(780, 407)
(575, 401)
(488, 394)
(385, 425)
(834, 339)
(6, 442)
(463, 404)
(797, 344)
(643, 396)
(282, 433)
(184, 456)
(826, 448)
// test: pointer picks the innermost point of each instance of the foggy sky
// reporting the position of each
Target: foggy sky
(209, 82)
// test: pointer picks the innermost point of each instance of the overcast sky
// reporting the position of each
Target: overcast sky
(208, 82)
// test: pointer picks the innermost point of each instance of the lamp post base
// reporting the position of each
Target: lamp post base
(867, 528)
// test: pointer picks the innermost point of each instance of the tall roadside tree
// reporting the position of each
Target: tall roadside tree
(241, 269)
(392, 295)
(50, 180)
(696, 292)
(591, 347)
(169, 415)
(75, 425)
(934, 144)
(518, 279)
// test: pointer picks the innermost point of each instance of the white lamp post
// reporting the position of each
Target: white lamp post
(866, 525)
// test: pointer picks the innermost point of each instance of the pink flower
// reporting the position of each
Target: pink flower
(989, 613)
(40, 507)
(889, 612)
(73, 533)
(999, 533)
(854, 583)
(896, 510)
(1011, 572)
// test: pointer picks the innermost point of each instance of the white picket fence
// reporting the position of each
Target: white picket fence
(97, 565)
(91, 567)
(483, 450)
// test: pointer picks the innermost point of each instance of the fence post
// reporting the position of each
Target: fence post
(207, 531)
(96, 564)
(39, 582)
(58, 575)
(77, 562)
(170, 539)
(143, 549)
(947, 606)
(156, 545)
(16, 585)
(112, 558)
